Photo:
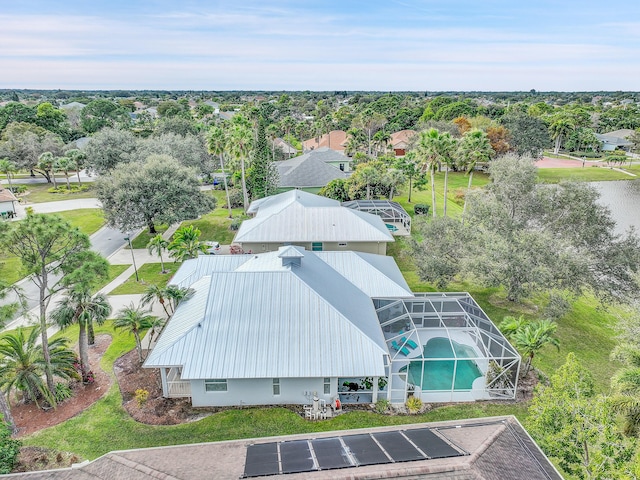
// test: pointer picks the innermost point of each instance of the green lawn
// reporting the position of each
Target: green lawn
(106, 426)
(149, 274)
(88, 220)
(215, 224)
(586, 174)
(114, 271)
(38, 193)
(141, 240)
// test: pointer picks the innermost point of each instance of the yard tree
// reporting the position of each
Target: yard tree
(240, 139)
(532, 337)
(561, 127)
(80, 307)
(626, 385)
(78, 159)
(8, 168)
(55, 256)
(410, 167)
(367, 175)
(369, 122)
(531, 238)
(435, 149)
(186, 244)
(158, 190)
(134, 320)
(23, 143)
(64, 165)
(218, 146)
(262, 176)
(155, 293)
(338, 189)
(190, 150)
(474, 148)
(528, 135)
(393, 179)
(157, 245)
(577, 427)
(102, 113)
(110, 147)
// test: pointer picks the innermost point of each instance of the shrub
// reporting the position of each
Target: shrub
(9, 449)
(64, 190)
(235, 198)
(141, 396)
(236, 222)
(421, 209)
(18, 189)
(414, 404)
(382, 406)
(62, 392)
(458, 196)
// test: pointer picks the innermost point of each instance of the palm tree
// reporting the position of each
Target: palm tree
(393, 178)
(78, 158)
(561, 127)
(626, 384)
(474, 148)
(241, 140)
(510, 325)
(533, 336)
(178, 294)
(153, 293)
(8, 168)
(217, 145)
(186, 244)
(447, 146)
(134, 320)
(381, 141)
(22, 364)
(80, 307)
(64, 164)
(429, 151)
(157, 245)
(46, 162)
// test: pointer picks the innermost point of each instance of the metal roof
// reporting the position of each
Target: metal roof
(266, 319)
(298, 216)
(196, 268)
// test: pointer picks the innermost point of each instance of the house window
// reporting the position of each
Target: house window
(342, 167)
(327, 386)
(316, 246)
(215, 385)
(276, 386)
(342, 244)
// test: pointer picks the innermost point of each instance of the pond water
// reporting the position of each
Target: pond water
(623, 199)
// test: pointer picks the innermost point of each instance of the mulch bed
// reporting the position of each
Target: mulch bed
(30, 418)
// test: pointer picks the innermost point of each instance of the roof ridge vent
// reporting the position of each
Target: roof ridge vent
(291, 256)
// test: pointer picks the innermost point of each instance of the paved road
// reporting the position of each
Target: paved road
(84, 177)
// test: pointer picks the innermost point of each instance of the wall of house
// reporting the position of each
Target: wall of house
(7, 207)
(345, 162)
(367, 247)
(260, 392)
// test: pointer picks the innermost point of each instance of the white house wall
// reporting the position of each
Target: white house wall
(259, 391)
(379, 248)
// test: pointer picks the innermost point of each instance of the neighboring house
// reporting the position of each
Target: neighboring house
(7, 203)
(313, 169)
(282, 327)
(492, 448)
(335, 140)
(73, 106)
(81, 142)
(618, 139)
(286, 148)
(311, 221)
(401, 140)
(153, 111)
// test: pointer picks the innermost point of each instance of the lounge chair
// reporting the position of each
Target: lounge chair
(402, 350)
(409, 342)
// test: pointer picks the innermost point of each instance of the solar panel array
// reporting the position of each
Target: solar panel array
(298, 456)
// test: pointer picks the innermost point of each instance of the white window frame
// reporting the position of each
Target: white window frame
(327, 385)
(276, 387)
(215, 385)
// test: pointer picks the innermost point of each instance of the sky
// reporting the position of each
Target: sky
(375, 45)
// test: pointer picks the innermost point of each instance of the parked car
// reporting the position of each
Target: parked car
(214, 248)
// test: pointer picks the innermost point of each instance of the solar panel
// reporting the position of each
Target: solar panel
(431, 444)
(396, 445)
(262, 459)
(296, 457)
(330, 453)
(365, 449)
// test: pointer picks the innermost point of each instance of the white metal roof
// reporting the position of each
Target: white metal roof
(196, 268)
(297, 216)
(268, 320)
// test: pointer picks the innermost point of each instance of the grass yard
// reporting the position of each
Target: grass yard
(215, 224)
(106, 426)
(38, 193)
(587, 174)
(88, 220)
(114, 271)
(143, 237)
(149, 274)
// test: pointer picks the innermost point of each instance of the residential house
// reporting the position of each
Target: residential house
(616, 140)
(313, 169)
(7, 203)
(311, 221)
(401, 140)
(335, 140)
(283, 327)
(286, 148)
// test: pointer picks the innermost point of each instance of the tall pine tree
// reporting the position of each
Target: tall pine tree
(262, 176)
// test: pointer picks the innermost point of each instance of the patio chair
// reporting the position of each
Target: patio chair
(409, 342)
(398, 348)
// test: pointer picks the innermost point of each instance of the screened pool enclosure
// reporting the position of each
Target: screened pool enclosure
(444, 348)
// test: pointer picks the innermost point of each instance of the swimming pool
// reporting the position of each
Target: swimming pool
(438, 374)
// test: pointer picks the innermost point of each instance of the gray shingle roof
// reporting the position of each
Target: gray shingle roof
(311, 169)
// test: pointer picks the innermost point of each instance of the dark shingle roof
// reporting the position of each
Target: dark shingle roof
(311, 169)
